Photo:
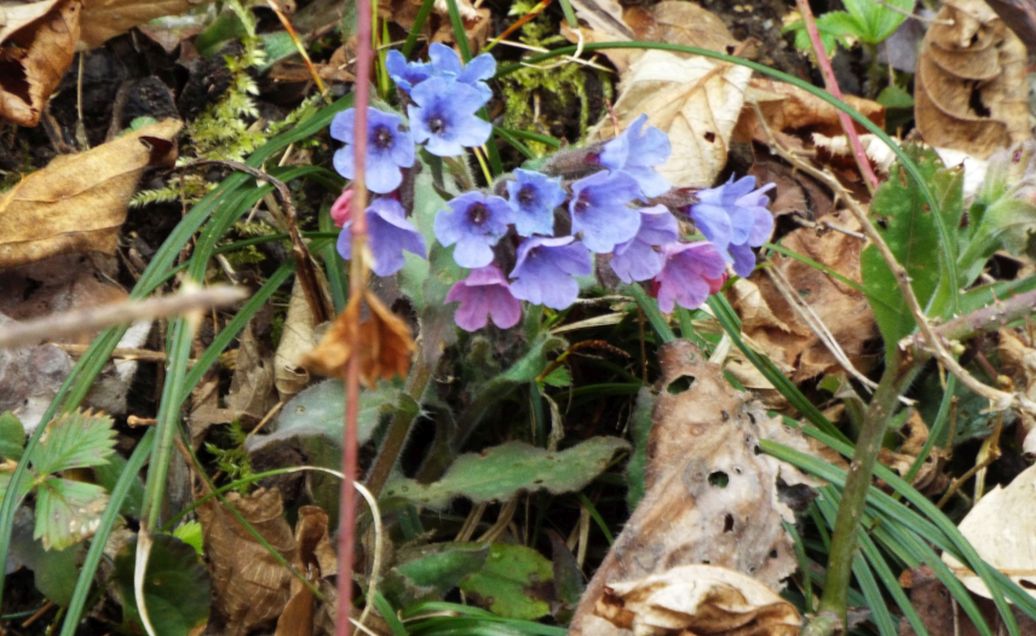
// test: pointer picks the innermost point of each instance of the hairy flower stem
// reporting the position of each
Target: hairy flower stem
(831, 614)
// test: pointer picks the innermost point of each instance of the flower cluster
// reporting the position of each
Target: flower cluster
(532, 236)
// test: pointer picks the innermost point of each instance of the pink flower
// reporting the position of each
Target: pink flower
(342, 207)
(691, 272)
(484, 294)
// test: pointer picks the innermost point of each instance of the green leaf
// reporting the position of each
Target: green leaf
(190, 532)
(67, 511)
(502, 471)
(176, 587)
(893, 96)
(318, 411)
(74, 440)
(878, 19)
(514, 582)
(108, 475)
(431, 571)
(640, 428)
(560, 378)
(912, 235)
(12, 436)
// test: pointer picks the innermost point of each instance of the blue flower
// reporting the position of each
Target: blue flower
(637, 152)
(484, 295)
(545, 269)
(444, 63)
(390, 147)
(600, 210)
(641, 257)
(735, 218)
(475, 222)
(691, 272)
(533, 196)
(388, 234)
(443, 115)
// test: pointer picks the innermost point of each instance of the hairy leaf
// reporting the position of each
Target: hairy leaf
(75, 440)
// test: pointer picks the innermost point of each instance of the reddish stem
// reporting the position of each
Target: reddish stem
(357, 284)
(831, 84)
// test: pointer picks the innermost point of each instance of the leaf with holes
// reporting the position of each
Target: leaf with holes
(500, 472)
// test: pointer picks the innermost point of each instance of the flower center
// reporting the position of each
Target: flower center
(436, 124)
(582, 205)
(526, 196)
(382, 137)
(478, 213)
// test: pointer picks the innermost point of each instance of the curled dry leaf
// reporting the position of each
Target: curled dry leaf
(251, 586)
(104, 19)
(251, 393)
(369, 330)
(298, 337)
(790, 109)
(770, 322)
(694, 100)
(710, 497)
(928, 479)
(34, 57)
(970, 87)
(315, 559)
(1001, 527)
(77, 203)
(701, 600)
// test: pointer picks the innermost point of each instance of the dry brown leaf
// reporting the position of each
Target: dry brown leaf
(77, 203)
(694, 100)
(970, 87)
(1001, 526)
(316, 559)
(34, 58)
(942, 614)
(928, 479)
(701, 600)
(297, 338)
(710, 498)
(1018, 357)
(790, 109)
(773, 326)
(104, 19)
(14, 17)
(251, 393)
(677, 22)
(250, 586)
(369, 330)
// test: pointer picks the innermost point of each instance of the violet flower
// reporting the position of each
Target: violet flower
(533, 196)
(444, 63)
(636, 152)
(444, 117)
(388, 234)
(690, 273)
(734, 216)
(390, 147)
(475, 222)
(641, 257)
(545, 270)
(600, 210)
(484, 295)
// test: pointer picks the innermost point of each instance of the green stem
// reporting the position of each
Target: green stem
(831, 613)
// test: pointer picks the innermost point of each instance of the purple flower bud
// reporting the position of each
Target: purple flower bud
(390, 147)
(691, 272)
(533, 196)
(545, 270)
(641, 257)
(484, 295)
(600, 210)
(443, 116)
(475, 222)
(388, 234)
(636, 152)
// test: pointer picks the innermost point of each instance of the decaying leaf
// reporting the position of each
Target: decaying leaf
(694, 100)
(251, 392)
(297, 338)
(77, 203)
(677, 22)
(790, 109)
(316, 559)
(34, 57)
(104, 19)
(1019, 361)
(370, 331)
(928, 479)
(774, 326)
(701, 600)
(710, 497)
(1001, 527)
(970, 87)
(14, 17)
(940, 613)
(251, 587)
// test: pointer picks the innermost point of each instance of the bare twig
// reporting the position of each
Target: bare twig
(91, 319)
(981, 320)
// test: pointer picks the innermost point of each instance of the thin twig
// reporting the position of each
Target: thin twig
(92, 319)
(981, 320)
(831, 84)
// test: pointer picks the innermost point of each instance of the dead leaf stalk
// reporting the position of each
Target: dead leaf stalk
(91, 319)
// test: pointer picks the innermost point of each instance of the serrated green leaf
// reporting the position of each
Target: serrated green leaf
(430, 572)
(878, 19)
(176, 587)
(560, 377)
(514, 582)
(67, 511)
(502, 471)
(911, 233)
(74, 440)
(12, 436)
